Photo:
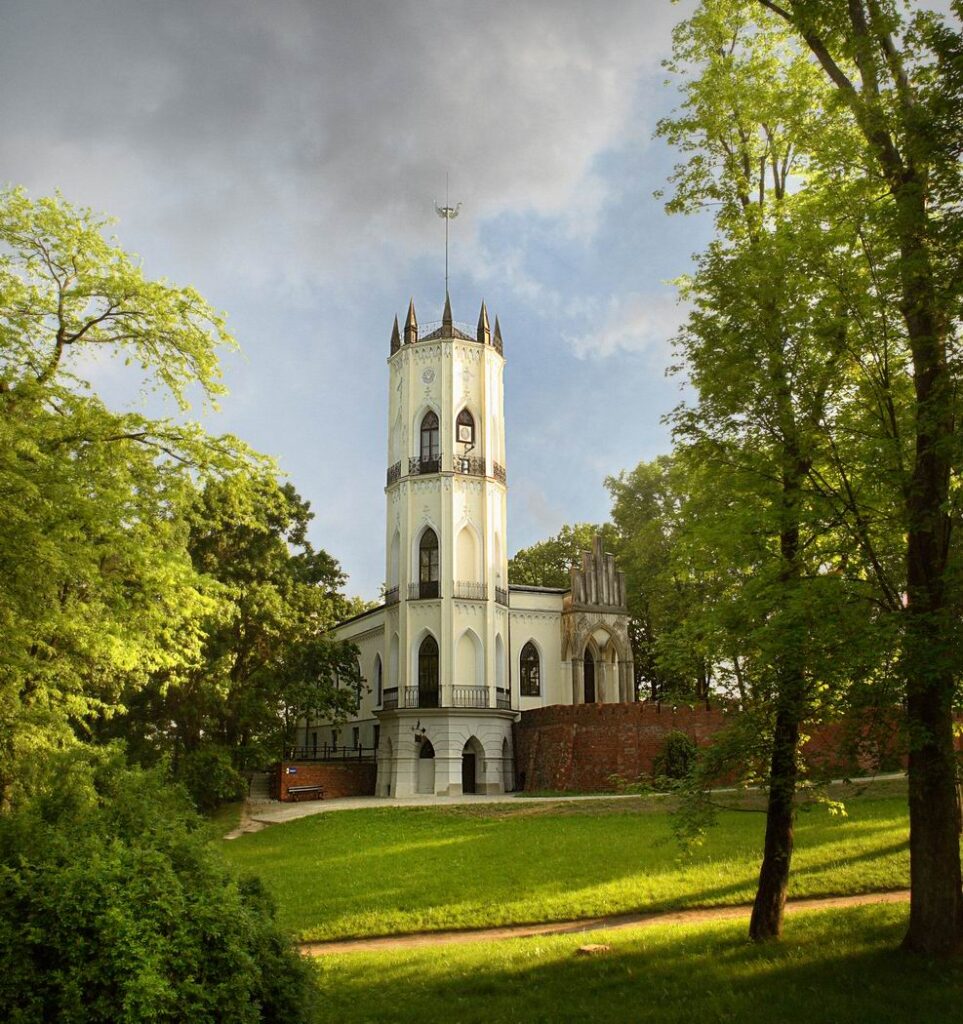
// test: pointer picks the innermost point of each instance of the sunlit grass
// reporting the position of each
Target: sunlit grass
(381, 871)
(841, 967)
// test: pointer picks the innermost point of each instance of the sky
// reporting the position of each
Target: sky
(284, 158)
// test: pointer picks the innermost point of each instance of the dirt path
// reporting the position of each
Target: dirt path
(587, 924)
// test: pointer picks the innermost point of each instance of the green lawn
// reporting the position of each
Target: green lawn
(831, 968)
(380, 871)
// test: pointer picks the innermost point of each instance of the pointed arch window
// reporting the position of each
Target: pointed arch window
(428, 673)
(530, 671)
(428, 564)
(379, 682)
(465, 428)
(430, 443)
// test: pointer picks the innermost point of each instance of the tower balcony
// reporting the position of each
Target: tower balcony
(419, 466)
(423, 591)
(480, 697)
(471, 591)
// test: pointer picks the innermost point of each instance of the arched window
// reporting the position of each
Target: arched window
(379, 682)
(428, 673)
(428, 564)
(465, 428)
(430, 444)
(530, 671)
(588, 663)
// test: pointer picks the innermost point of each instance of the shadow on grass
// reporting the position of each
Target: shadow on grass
(839, 967)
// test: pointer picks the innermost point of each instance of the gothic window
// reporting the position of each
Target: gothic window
(465, 428)
(430, 446)
(428, 564)
(379, 682)
(589, 676)
(428, 673)
(530, 671)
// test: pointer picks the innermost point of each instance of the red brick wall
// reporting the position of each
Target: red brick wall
(351, 778)
(581, 747)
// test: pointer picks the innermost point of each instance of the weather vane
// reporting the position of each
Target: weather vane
(449, 213)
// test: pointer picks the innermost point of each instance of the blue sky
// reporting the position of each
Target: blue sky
(284, 158)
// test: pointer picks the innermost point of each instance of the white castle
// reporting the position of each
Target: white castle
(456, 653)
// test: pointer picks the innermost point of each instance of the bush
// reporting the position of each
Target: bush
(114, 907)
(675, 760)
(210, 778)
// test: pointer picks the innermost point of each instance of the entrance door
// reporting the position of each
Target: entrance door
(468, 772)
(426, 767)
(589, 678)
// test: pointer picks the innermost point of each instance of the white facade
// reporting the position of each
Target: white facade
(454, 654)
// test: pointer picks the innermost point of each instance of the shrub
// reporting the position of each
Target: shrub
(675, 760)
(114, 907)
(210, 778)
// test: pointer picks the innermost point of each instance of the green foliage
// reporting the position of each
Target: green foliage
(210, 777)
(115, 907)
(267, 657)
(547, 563)
(97, 589)
(675, 759)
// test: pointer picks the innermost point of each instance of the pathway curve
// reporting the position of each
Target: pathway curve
(587, 924)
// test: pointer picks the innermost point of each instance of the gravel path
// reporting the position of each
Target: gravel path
(588, 924)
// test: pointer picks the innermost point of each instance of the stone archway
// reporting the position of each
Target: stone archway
(472, 765)
(426, 767)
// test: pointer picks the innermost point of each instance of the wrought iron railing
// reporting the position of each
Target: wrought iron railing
(391, 595)
(501, 596)
(472, 465)
(394, 473)
(423, 591)
(471, 591)
(498, 471)
(324, 752)
(503, 698)
(469, 696)
(420, 466)
(390, 701)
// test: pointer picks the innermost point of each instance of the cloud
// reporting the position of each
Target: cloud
(632, 323)
(294, 139)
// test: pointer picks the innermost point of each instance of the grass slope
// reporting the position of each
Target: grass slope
(840, 967)
(390, 870)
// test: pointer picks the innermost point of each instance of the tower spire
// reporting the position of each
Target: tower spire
(395, 337)
(484, 333)
(411, 325)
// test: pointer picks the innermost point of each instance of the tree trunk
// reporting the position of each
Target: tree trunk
(770, 901)
(936, 901)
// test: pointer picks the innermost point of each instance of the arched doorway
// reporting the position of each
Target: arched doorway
(426, 767)
(428, 673)
(472, 765)
(589, 677)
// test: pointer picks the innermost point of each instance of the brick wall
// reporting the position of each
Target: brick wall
(581, 747)
(349, 778)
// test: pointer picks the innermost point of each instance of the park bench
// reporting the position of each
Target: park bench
(299, 792)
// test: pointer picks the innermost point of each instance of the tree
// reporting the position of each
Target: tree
(547, 563)
(267, 658)
(769, 348)
(97, 589)
(651, 506)
(899, 81)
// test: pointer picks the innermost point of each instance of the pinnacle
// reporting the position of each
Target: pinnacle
(484, 331)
